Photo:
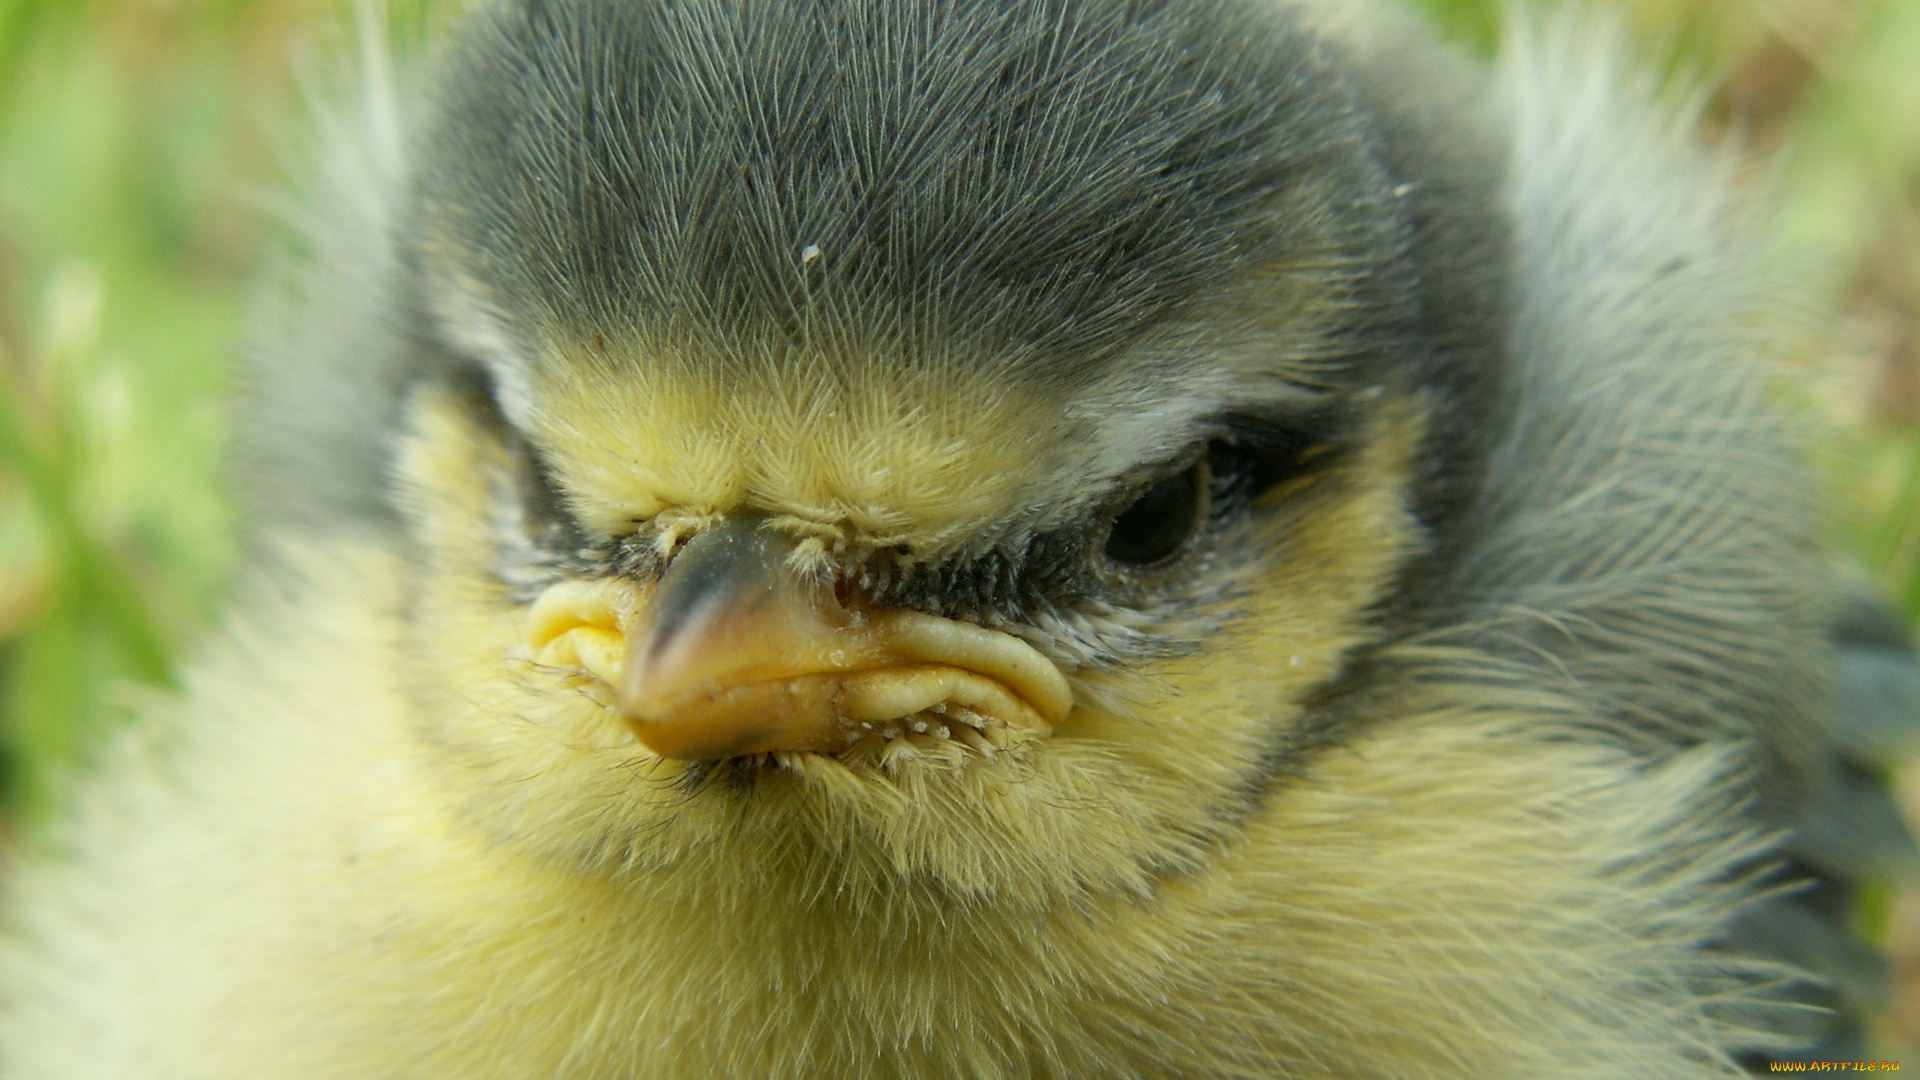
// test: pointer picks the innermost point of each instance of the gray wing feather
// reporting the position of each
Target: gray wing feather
(1848, 834)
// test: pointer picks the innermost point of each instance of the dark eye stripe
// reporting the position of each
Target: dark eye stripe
(540, 495)
(540, 514)
(1255, 452)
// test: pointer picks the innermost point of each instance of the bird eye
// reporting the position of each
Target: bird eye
(1162, 520)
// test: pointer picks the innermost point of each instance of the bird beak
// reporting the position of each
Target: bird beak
(734, 653)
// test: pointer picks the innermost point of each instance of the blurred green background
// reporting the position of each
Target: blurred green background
(143, 144)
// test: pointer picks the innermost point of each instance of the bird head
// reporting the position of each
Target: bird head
(969, 444)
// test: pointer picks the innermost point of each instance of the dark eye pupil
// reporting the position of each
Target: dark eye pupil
(1159, 522)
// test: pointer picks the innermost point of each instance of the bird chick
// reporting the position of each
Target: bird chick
(1015, 539)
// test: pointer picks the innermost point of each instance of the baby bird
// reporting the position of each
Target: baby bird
(983, 538)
